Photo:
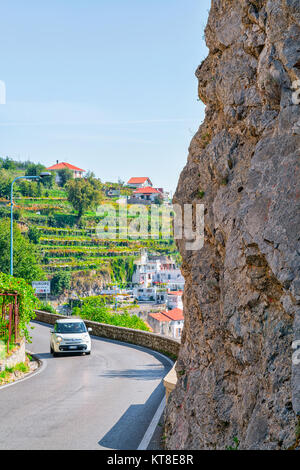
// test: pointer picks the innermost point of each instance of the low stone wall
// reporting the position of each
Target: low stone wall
(153, 341)
(15, 358)
(170, 382)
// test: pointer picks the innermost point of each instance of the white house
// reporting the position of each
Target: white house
(156, 270)
(150, 294)
(168, 323)
(145, 294)
(145, 270)
(171, 277)
(139, 182)
(147, 194)
(174, 299)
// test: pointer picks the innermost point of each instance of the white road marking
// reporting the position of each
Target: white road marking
(152, 426)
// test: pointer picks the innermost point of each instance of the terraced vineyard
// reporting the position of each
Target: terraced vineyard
(79, 248)
(82, 251)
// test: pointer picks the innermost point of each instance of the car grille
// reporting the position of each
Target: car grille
(77, 347)
(72, 341)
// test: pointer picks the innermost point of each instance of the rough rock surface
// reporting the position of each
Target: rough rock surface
(235, 373)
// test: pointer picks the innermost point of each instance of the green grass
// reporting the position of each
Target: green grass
(22, 367)
(8, 371)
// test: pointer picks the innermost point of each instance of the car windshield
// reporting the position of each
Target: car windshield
(68, 327)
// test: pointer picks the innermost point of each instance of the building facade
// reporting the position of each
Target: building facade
(167, 323)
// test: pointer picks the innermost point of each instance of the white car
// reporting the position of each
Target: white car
(70, 335)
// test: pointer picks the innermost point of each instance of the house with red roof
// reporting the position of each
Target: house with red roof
(167, 323)
(77, 172)
(139, 182)
(146, 195)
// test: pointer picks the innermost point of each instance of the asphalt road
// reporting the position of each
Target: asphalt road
(102, 401)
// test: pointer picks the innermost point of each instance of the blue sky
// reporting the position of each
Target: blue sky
(107, 85)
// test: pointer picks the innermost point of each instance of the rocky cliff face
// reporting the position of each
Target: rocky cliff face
(236, 378)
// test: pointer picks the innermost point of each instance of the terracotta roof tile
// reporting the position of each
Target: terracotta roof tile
(63, 165)
(146, 190)
(168, 315)
(139, 180)
(175, 292)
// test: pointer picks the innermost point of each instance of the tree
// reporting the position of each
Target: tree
(5, 183)
(34, 235)
(90, 175)
(26, 257)
(60, 282)
(64, 175)
(8, 164)
(84, 194)
(35, 169)
(48, 181)
(29, 188)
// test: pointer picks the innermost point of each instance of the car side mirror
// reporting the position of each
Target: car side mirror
(90, 329)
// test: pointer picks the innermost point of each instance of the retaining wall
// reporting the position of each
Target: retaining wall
(15, 358)
(153, 341)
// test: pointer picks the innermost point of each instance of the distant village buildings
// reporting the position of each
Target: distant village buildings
(157, 279)
(156, 270)
(145, 193)
(174, 299)
(168, 323)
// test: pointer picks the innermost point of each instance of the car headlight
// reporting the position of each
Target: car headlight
(59, 339)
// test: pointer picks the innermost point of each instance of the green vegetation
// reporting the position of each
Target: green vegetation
(46, 307)
(56, 231)
(8, 372)
(65, 175)
(5, 182)
(224, 181)
(84, 194)
(27, 303)
(235, 445)
(60, 282)
(34, 235)
(122, 269)
(26, 257)
(200, 194)
(96, 309)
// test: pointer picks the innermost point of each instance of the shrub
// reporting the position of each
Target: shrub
(95, 309)
(26, 258)
(47, 307)
(60, 282)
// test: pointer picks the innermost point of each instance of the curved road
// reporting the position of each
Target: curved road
(102, 401)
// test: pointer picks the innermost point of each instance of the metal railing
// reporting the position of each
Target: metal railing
(9, 321)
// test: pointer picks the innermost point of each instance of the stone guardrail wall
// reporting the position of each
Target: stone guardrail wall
(170, 381)
(167, 346)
